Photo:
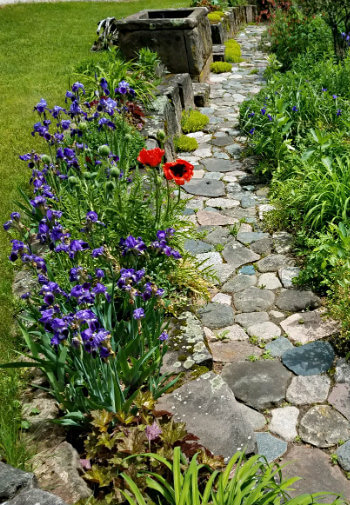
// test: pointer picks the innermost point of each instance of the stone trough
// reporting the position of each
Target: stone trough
(181, 37)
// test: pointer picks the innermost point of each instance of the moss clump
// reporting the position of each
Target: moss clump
(218, 67)
(193, 121)
(185, 144)
(216, 16)
(233, 51)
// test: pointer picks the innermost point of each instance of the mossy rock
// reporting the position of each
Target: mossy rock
(193, 121)
(219, 67)
(184, 144)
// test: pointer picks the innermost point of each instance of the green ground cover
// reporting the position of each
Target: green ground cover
(40, 44)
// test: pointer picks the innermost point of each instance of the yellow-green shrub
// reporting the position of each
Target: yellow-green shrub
(218, 67)
(216, 16)
(193, 121)
(232, 51)
(185, 144)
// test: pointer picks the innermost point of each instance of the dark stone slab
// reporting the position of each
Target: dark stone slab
(216, 315)
(254, 299)
(218, 165)
(316, 472)
(197, 246)
(293, 300)
(35, 497)
(323, 426)
(210, 411)
(259, 384)
(13, 480)
(205, 187)
(270, 446)
(309, 359)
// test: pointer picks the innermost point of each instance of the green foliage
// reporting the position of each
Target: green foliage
(219, 67)
(241, 482)
(141, 73)
(116, 440)
(185, 144)
(193, 121)
(215, 16)
(232, 51)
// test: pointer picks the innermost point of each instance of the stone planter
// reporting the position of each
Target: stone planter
(230, 24)
(181, 37)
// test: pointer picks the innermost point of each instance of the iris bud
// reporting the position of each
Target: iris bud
(83, 126)
(104, 150)
(45, 159)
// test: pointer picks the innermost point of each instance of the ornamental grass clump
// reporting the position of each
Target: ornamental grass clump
(185, 144)
(220, 67)
(233, 51)
(193, 121)
(98, 235)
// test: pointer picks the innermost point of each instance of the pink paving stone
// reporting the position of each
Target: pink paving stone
(304, 327)
(227, 352)
(340, 399)
(210, 218)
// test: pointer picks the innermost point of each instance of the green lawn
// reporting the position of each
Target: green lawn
(39, 45)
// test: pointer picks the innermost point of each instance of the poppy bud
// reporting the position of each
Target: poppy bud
(83, 126)
(161, 135)
(45, 159)
(115, 172)
(110, 185)
(74, 181)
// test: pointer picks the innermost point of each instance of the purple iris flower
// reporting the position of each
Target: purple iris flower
(55, 112)
(78, 245)
(252, 131)
(78, 85)
(138, 313)
(65, 124)
(163, 336)
(263, 111)
(334, 97)
(8, 225)
(339, 112)
(295, 108)
(41, 106)
(97, 252)
(38, 201)
(252, 114)
(16, 216)
(74, 273)
(26, 295)
(99, 273)
(92, 216)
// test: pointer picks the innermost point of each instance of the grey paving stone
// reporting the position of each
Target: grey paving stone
(272, 263)
(263, 246)
(269, 281)
(247, 270)
(222, 203)
(205, 187)
(252, 236)
(279, 346)
(284, 422)
(259, 384)
(343, 453)
(35, 497)
(239, 283)
(306, 390)
(283, 242)
(323, 427)
(238, 255)
(221, 141)
(13, 480)
(208, 406)
(229, 351)
(287, 274)
(269, 446)
(342, 371)
(292, 300)
(219, 235)
(254, 300)
(218, 165)
(247, 319)
(211, 217)
(197, 246)
(216, 315)
(310, 359)
(253, 417)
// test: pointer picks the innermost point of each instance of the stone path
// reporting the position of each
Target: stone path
(266, 338)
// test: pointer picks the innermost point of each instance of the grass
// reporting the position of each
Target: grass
(40, 45)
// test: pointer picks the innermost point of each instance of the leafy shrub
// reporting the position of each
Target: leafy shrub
(185, 144)
(115, 437)
(193, 121)
(232, 51)
(253, 481)
(219, 67)
(215, 17)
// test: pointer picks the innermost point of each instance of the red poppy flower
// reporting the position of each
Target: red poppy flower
(180, 170)
(152, 157)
